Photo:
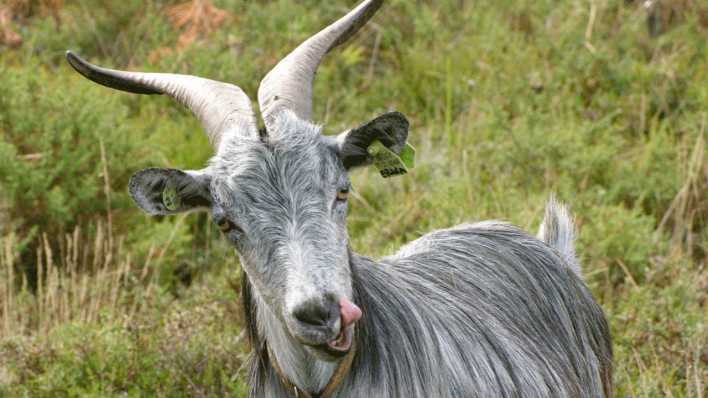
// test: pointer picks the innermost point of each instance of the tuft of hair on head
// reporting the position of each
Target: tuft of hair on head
(558, 231)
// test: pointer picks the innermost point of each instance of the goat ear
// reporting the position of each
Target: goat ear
(169, 191)
(391, 129)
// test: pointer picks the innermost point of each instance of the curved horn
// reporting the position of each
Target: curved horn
(289, 84)
(223, 109)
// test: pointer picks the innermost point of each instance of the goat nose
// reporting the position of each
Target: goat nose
(315, 313)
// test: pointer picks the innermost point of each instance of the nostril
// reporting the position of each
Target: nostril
(313, 313)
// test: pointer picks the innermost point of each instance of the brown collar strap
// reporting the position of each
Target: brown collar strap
(334, 382)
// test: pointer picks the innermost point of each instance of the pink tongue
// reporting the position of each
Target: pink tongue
(350, 312)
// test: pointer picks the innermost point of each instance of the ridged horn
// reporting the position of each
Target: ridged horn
(223, 109)
(289, 84)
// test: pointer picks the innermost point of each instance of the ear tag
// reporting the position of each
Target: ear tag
(407, 155)
(388, 162)
(170, 198)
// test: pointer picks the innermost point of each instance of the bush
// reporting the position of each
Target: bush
(508, 102)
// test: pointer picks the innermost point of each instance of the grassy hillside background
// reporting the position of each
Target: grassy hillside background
(604, 102)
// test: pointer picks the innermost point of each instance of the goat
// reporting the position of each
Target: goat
(478, 310)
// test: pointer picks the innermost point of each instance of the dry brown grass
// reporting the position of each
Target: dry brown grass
(8, 36)
(77, 283)
(195, 19)
(686, 216)
(12, 10)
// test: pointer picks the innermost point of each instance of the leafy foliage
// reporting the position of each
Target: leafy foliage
(509, 101)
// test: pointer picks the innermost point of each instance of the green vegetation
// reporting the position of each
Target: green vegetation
(508, 101)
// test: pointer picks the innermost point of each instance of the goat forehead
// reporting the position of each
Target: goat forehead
(283, 175)
(294, 143)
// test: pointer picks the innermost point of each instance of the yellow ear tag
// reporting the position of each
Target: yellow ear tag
(170, 199)
(388, 162)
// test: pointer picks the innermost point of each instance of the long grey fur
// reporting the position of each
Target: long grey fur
(479, 310)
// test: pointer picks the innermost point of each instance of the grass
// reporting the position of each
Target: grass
(508, 101)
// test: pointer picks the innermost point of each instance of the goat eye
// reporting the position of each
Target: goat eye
(343, 194)
(226, 226)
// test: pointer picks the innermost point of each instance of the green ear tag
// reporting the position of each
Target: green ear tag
(388, 162)
(170, 198)
(407, 155)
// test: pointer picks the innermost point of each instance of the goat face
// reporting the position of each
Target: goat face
(278, 195)
(282, 202)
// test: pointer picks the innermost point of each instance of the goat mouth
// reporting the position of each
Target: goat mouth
(341, 344)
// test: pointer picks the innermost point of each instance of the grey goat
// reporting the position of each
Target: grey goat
(479, 310)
